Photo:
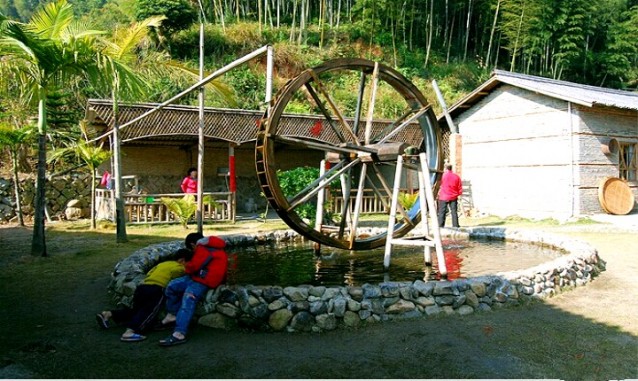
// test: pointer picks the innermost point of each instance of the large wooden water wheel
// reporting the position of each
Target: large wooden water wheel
(360, 138)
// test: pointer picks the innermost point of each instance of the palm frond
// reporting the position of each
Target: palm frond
(51, 20)
(82, 153)
(183, 208)
(80, 31)
(126, 41)
(216, 86)
(13, 137)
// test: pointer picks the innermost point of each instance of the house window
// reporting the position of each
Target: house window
(627, 161)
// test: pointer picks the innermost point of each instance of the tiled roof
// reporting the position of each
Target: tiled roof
(175, 123)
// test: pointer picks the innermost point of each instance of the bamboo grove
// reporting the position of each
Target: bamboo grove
(585, 41)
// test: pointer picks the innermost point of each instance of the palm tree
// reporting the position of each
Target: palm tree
(13, 139)
(182, 208)
(128, 61)
(90, 156)
(119, 56)
(50, 50)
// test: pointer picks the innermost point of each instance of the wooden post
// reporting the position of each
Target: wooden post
(321, 195)
(393, 213)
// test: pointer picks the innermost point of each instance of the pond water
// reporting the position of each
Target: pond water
(296, 264)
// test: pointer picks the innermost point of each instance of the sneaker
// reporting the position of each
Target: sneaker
(133, 338)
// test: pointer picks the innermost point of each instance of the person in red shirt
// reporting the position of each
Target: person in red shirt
(449, 192)
(189, 184)
(206, 270)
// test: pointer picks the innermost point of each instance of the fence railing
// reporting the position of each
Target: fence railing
(370, 203)
(149, 209)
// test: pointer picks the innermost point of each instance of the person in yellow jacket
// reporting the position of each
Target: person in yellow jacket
(148, 299)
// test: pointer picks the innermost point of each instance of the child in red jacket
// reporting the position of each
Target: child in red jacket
(206, 270)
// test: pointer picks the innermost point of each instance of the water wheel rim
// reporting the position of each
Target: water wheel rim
(268, 129)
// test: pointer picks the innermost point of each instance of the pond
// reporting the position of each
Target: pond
(295, 264)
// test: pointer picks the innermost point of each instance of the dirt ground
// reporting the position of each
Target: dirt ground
(589, 333)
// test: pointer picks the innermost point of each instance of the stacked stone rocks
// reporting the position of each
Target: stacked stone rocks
(59, 192)
(319, 308)
(7, 204)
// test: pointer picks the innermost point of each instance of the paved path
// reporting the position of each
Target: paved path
(629, 221)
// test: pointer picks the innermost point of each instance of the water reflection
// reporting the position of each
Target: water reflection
(296, 264)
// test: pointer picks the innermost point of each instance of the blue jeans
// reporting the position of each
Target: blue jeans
(182, 295)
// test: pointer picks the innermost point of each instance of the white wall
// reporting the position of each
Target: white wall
(517, 154)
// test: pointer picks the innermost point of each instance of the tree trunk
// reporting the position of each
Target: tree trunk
(16, 183)
(430, 30)
(467, 29)
(221, 16)
(93, 180)
(411, 32)
(302, 22)
(38, 242)
(259, 15)
(518, 34)
(322, 15)
(120, 218)
(449, 45)
(393, 25)
(292, 24)
(488, 56)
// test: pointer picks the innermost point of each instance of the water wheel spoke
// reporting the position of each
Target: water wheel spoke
(403, 125)
(357, 113)
(388, 191)
(371, 101)
(312, 189)
(333, 106)
(357, 204)
(376, 190)
(345, 208)
(345, 148)
(325, 112)
(391, 126)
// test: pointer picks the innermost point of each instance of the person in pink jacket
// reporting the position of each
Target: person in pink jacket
(449, 192)
(189, 184)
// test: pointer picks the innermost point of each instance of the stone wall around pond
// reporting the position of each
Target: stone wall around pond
(320, 308)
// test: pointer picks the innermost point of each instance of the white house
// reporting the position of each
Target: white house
(539, 148)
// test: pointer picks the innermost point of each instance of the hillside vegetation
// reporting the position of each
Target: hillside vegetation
(458, 43)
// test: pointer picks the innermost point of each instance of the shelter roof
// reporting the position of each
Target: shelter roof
(585, 95)
(179, 124)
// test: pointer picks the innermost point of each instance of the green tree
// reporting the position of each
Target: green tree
(619, 60)
(294, 181)
(89, 156)
(25, 8)
(183, 208)
(13, 140)
(7, 8)
(120, 57)
(180, 14)
(50, 51)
